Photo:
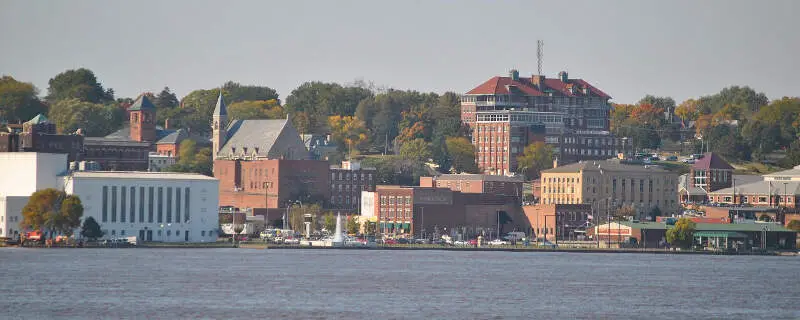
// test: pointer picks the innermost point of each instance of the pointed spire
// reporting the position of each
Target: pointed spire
(220, 109)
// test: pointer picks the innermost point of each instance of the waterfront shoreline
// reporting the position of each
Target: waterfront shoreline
(263, 246)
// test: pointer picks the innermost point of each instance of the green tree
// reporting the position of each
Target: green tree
(166, 99)
(462, 154)
(681, 235)
(348, 131)
(794, 225)
(198, 105)
(95, 119)
(52, 210)
(624, 213)
(190, 159)
(734, 95)
(91, 229)
(318, 101)
(536, 157)
(666, 104)
(258, 109)
(371, 228)
(352, 225)
(415, 150)
(78, 84)
(655, 212)
(330, 222)
(19, 101)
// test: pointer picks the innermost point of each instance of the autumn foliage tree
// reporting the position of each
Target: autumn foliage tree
(349, 131)
(52, 210)
(681, 235)
(536, 157)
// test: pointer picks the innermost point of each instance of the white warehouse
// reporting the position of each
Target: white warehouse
(153, 206)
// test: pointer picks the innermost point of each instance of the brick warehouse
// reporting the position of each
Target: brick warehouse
(423, 211)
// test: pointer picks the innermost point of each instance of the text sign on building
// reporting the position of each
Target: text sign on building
(433, 197)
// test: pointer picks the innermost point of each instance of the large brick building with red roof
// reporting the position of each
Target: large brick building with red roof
(508, 113)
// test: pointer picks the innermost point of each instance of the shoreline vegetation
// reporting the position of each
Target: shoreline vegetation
(262, 246)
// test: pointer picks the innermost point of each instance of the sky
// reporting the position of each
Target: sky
(628, 49)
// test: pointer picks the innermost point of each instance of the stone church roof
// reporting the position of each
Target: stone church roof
(273, 139)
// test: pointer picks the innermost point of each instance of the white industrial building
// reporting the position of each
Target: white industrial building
(22, 174)
(153, 206)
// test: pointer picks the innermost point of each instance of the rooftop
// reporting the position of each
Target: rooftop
(711, 160)
(604, 165)
(721, 227)
(142, 103)
(220, 108)
(139, 175)
(501, 85)
(259, 137)
(477, 177)
(40, 118)
(763, 188)
(793, 172)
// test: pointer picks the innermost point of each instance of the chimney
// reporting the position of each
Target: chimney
(513, 74)
(563, 76)
(538, 81)
(166, 124)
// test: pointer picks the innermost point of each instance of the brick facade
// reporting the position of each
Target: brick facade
(259, 184)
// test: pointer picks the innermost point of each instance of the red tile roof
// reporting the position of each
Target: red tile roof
(711, 160)
(500, 85)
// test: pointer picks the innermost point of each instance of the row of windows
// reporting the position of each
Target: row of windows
(158, 233)
(10, 219)
(116, 152)
(128, 201)
(343, 200)
(395, 200)
(347, 187)
(347, 175)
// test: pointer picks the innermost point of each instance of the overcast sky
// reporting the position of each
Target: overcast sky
(626, 48)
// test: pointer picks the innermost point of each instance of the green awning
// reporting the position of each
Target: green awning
(407, 226)
(719, 234)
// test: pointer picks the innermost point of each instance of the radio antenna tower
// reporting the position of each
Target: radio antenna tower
(539, 54)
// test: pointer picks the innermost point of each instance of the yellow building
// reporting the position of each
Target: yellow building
(608, 185)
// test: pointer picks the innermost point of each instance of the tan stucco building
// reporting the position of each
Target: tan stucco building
(608, 185)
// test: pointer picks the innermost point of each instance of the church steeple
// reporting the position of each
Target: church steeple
(219, 125)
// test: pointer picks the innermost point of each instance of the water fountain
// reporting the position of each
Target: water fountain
(338, 239)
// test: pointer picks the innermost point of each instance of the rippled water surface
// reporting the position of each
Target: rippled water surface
(361, 284)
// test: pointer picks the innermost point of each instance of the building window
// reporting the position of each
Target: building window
(105, 203)
(160, 204)
(133, 204)
(123, 204)
(150, 204)
(113, 204)
(141, 204)
(178, 204)
(187, 212)
(169, 205)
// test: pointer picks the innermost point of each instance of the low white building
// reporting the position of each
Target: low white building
(160, 161)
(23, 173)
(153, 206)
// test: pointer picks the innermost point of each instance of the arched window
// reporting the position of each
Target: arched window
(203, 233)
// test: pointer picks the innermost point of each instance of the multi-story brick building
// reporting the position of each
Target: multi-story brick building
(608, 185)
(556, 222)
(506, 114)
(264, 165)
(424, 211)
(347, 183)
(476, 183)
(39, 135)
(128, 149)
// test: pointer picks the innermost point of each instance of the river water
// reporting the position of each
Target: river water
(372, 284)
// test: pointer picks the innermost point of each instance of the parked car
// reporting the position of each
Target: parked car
(460, 243)
(548, 244)
(688, 160)
(292, 241)
(473, 242)
(389, 241)
(672, 158)
(421, 241)
(498, 242)
(403, 241)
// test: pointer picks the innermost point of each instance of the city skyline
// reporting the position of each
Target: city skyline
(630, 49)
